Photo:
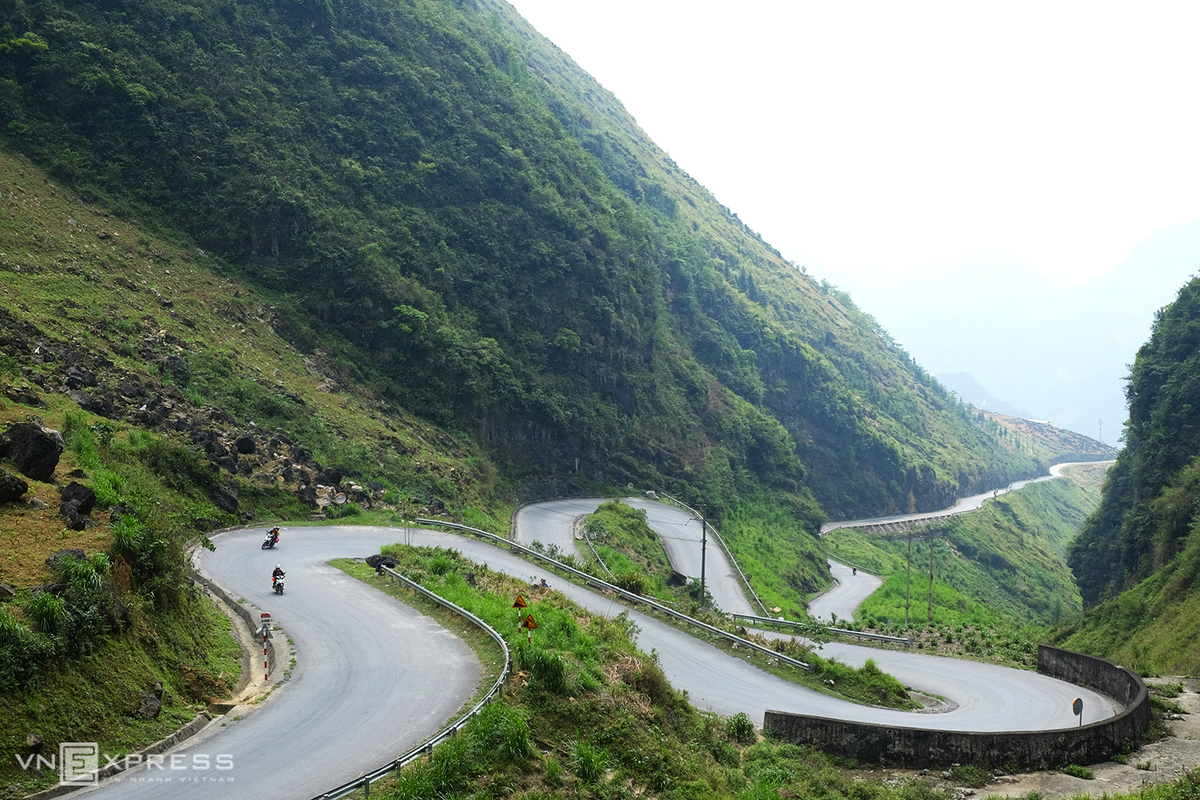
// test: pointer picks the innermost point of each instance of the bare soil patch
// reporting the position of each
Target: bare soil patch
(1159, 762)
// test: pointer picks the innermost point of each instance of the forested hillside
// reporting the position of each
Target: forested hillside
(1137, 557)
(1147, 513)
(437, 206)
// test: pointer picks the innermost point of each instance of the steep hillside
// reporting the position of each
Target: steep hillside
(436, 206)
(1008, 557)
(1137, 557)
(1146, 516)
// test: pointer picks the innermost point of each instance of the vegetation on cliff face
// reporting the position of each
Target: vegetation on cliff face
(433, 203)
(1137, 557)
(1148, 510)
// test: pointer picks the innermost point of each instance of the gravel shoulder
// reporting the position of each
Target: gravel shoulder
(1164, 761)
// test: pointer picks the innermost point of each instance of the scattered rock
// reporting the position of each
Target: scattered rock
(245, 445)
(376, 561)
(24, 395)
(225, 499)
(11, 487)
(32, 451)
(7, 592)
(84, 495)
(57, 559)
(151, 702)
(70, 512)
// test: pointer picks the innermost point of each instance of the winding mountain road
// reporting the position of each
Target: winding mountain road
(373, 677)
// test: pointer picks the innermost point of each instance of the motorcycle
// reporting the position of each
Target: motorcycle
(277, 584)
(271, 538)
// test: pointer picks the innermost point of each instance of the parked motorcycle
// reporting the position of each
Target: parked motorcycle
(277, 584)
(271, 539)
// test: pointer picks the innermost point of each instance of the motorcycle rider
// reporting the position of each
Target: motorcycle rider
(275, 535)
(276, 573)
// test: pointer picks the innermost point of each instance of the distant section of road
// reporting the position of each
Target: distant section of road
(847, 594)
(552, 523)
(965, 504)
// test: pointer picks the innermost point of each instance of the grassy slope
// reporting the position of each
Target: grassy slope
(1009, 557)
(1154, 628)
(86, 283)
(96, 284)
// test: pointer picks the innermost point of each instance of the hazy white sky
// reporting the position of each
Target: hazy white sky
(875, 136)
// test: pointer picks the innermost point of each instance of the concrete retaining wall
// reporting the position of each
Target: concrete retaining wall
(918, 747)
(251, 614)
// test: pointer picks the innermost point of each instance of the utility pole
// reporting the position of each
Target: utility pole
(908, 579)
(929, 611)
(1101, 431)
(703, 551)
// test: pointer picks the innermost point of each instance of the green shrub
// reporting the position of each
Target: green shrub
(553, 774)
(547, 669)
(632, 582)
(969, 775)
(501, 734)
(588, 761)
(1079, 772)
(48, 613)
(740, 728)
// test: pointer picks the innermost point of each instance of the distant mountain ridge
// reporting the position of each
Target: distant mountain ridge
(1061, 354)
(971, 391)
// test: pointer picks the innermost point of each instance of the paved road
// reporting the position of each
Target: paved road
(964, 504)
(551, 524)
(374, 677)
(847, 593)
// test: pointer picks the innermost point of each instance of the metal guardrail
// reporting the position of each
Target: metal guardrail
(364, 782)
(878, 637)
(721, 543)
(630, 596)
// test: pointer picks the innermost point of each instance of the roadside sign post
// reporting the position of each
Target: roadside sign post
(1077, 707)
(266, 634)
(529, 625)
(518, 605)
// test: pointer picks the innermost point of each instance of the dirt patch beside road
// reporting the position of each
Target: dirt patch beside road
(1159, 762)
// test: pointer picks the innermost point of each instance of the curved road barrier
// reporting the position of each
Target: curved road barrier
(916, 747)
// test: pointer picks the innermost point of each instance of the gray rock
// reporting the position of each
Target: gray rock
(80, 493)
(70, 512)
(57, 559)
(32, 451)
(225, 499)
(11, 487)
(151, 703)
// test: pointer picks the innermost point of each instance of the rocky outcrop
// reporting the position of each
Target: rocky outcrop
(151, 703)
(82, 496)
(55, 561)
(32, 449)
(11, 487)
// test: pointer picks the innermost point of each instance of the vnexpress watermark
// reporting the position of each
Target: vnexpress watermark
(78, 764)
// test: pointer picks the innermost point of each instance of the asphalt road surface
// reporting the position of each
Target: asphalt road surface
(551, 523)
(846, 595)
(373, 678)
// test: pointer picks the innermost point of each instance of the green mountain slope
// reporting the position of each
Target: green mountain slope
(436, 205)
(1009, 557)
(1136, 558)
(1146, 514)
